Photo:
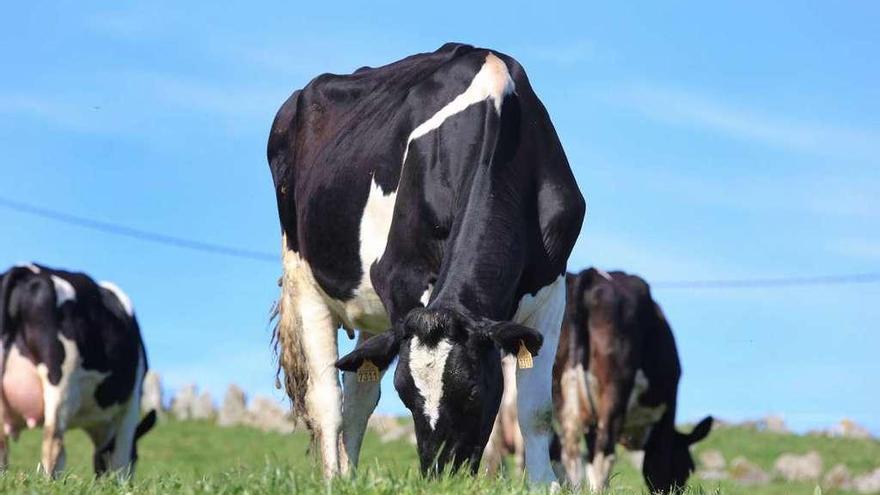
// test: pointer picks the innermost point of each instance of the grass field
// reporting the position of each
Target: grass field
(198, 457)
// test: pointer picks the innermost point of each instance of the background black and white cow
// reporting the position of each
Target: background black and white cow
(616, 381)
(72, 357)
(430, 202)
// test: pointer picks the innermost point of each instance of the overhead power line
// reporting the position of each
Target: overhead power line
(142, 235)
(195, 245)
(761, 283)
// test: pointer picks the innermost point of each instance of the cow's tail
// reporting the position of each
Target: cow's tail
(10, 278)
(287, 337)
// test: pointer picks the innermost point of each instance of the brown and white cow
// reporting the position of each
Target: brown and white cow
(72, 357)
(616, 381)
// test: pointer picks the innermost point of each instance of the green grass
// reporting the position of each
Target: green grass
(196, 457)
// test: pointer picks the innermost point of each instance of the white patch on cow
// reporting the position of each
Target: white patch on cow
(122, 296)
(639, 419)
(492, 81)
(63, 290)
(365, 310)
(535, 310)
(543, 312)
(426, 296)
(604, 274)
(71, 402)
(599, 470)
(30, 266)
(427, 365)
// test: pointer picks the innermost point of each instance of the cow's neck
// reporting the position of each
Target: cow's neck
(485, 254)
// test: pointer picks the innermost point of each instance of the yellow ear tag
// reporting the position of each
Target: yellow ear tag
(524, 357)
(368, 372)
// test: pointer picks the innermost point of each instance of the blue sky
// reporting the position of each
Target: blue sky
(710, 142)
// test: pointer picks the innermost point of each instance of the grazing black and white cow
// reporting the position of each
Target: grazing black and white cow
(616, 381)
(72, 357)
(429, 204)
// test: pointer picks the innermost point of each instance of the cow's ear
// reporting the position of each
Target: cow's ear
(508, 335)
(145, 425)
(381, 350)
(700, 431)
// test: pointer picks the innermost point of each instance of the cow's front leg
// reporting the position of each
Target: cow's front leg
(534, 385)
(359, 400)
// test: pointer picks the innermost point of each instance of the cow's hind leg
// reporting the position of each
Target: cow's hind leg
(359, 401)
(57, 407)
(534, 400)
(572, 423)
(306, 337)
(4, 442)
(60, 400)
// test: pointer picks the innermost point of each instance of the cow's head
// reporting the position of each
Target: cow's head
(118, 455)
(449, 377)
(682, 462)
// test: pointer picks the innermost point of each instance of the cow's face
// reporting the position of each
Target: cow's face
(449, 377)
(682, 462)
(106, 460)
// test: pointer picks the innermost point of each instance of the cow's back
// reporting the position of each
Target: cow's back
(342, 135)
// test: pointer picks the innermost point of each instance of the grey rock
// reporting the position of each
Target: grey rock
(182, 403)
(203, 407)
(390, 429)
(266, 414)
(838, 478)
(151, 395)
(712, 460)
(747, 473)
(234, 409)
(794, 467)
(868, 483)
(774, 424)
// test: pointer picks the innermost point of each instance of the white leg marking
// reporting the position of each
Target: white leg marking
(63, 290)
(543, 312)
(323, 397)
(599, 470)
(358, 402)
(427, 365)
(571, 419)
(60, 402)
(122, 296)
